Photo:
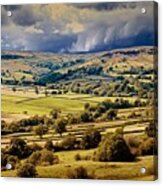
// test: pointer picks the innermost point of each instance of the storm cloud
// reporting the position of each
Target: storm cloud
(88, 27)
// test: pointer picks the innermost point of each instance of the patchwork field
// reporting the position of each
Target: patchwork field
(63, 115)
(20, 102)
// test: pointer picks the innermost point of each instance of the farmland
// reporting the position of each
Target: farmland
(19, 102)
(63, 100)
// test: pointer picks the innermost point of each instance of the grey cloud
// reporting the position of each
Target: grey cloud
(129, 25)
(122, 25)
(5, 20)
(25, 16)
(53, 43)
(105, 5)
(12, 7)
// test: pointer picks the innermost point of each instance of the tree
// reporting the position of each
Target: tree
(14, 89)
(4, 158)
(73, 119)
(8, 159)
(36, 90)
(55, 113)
(91, 139)
(18, 147)
(35, 147)
(60, 125)
(27, 170)
(46, 93)
(78, 173)
(138, 103)
(49, 145)
(40, 130)
(114, 148)
(47, 157)
(34, 158)
(111, 114)
(86, 106)
(86, 116)
(97, 114)
(12, 160)
(151, 130)
(77, 157)
(149, 146)
(69, 143)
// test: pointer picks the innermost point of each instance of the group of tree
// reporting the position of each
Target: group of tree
(40, 130)
(90, 139)
(113, 147)
(25, 158)
(25, 125)
(54, 77)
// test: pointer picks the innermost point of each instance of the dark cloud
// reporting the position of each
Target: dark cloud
(105, 5)
(80, 27)
(124, 28)
(22, 15)
(51, 43)
(12, 7)
(4, 18)
(25, 16)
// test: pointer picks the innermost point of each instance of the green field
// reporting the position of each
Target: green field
(40, 106)
(68, 103)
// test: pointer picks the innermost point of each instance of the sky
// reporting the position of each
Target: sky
(80, 27)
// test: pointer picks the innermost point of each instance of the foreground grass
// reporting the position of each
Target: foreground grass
(99, 170)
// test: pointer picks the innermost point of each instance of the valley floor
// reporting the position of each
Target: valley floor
(99, 170)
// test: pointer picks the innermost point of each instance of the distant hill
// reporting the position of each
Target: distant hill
(82, 72)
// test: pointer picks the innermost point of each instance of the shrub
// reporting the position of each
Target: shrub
(34, 158)
(132, 115)
(78, 173)
(27, 170)
(68, 143)
(35, 147)
(97, 114)
(86, 157)
(41, 130)
(86, 117)
(19, 148)
(73, 119)
(32, 121)
(91, 139)
(138, 103)
(111, 114)
(8, 159)
(148, 147)
(49, 145)
(60, 125)
(86, 106)
(13, 160)
(114, 148)
(4, 157)
(77, 157)
(43, 157)
(55, 113)
(48, 158)
(134, 144)
(151, 130)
